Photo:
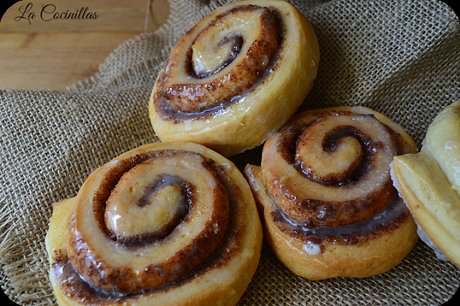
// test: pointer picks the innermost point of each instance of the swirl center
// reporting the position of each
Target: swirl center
(210, 57)
(338, 163)
(335, 157)
(152, 219)
(225, 59)
(139, 210)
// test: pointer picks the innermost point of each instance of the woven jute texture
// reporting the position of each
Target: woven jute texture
(398, 57)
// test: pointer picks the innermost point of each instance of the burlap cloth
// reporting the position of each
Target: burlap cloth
(401, 58)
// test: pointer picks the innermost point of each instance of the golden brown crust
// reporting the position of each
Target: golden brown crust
(429, 183)
(233, 104)
(216, 241)
(307, 235)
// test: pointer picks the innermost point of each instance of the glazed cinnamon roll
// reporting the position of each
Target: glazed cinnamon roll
(164, 224)
(429, 182)
(326, 196)
(225, 80)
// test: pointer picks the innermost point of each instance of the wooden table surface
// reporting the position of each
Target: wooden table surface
(53, 60)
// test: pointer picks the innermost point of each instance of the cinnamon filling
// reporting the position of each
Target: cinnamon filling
(196, 62)
(340, 170)
(225, 62)
(335, 139)
(172, 198)
(385, 221)
(142, 212)
(80, 290)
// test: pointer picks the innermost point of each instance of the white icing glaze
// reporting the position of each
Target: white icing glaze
(311, 248)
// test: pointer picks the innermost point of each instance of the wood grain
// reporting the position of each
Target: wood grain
(38, 16)
(54, 60)
(42, 52)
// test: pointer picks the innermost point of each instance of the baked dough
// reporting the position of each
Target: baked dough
(326, 197)
(429, 181)
(163, 224)
(236, 76)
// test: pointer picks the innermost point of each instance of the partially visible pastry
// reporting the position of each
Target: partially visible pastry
(429, 181)
(326, 197)
(163, 224)
(236, 76)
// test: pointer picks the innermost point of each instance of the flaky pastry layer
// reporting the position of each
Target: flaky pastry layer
(429, 183)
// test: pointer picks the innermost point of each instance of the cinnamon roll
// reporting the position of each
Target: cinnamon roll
(326, 197)
(163, 224)
(429, 182)
(225, 80)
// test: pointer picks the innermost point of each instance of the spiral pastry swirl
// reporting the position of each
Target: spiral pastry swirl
(225, 78)
(161, 223)
(326, 194)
